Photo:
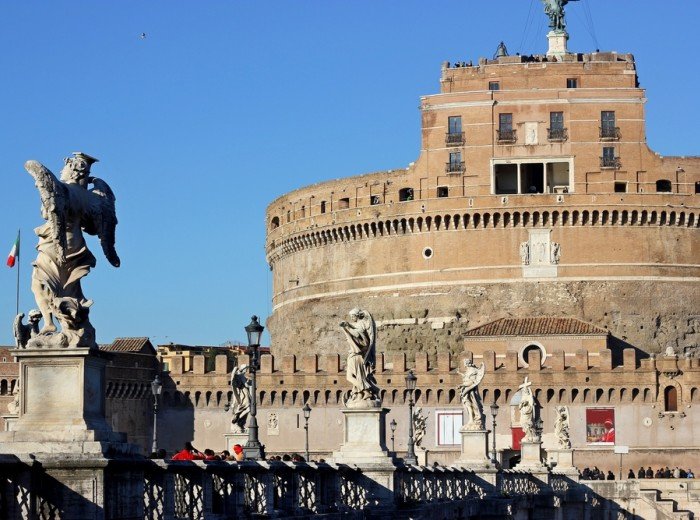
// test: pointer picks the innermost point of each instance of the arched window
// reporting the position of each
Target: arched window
(663, 186)
(671, 399)
(525, 354)
(275, 223)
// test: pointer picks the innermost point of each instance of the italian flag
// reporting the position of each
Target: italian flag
(14, 253)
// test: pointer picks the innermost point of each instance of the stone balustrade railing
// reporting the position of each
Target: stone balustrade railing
(164, 490)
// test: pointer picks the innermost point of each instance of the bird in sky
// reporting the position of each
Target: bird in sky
(143, 36)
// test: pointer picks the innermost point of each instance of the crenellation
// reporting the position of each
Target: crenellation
(267, 364)
(421, 361)
(330, 363)
(309, 363)
(489, 360)
(289, 364)
(629, 359)
(581, 362)
(198, 364)
(556, 361)
(221, 364)
(511, 361)
(605, 360)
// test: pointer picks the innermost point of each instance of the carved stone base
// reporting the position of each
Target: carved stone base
(530, 456)
(475, 454)
(557, 43)
(364, 437)
(62, 406)
(235, 438)
(562, 460)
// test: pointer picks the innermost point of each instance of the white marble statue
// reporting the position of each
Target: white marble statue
(527, 412)
(13, 406)
(469, 394)
(420, 426)
(556, 252)
(361, 334)
(23, 333)
(70, 209)
(240, 399)
(561, 427)
(525, 253)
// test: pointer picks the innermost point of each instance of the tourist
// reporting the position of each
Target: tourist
(610, 475)
(690, 473)
(238, 452)
(641, 473)
(630, 474)
(210, 455)
(650, 473)
(225, 455)
(667, 473)
(286, 457)
(676, 472)
(189, 452)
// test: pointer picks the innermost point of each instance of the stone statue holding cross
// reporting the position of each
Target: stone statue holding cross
(527, 411)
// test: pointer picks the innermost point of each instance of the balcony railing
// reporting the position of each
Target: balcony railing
(506, 136)
(557, 135)
(610, 162)
(454, 138)
(454, 167)
(610, 133)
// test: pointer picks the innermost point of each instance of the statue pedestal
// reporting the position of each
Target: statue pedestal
(364, 437)
(530, 456)
(562, 460)
(62, 406)
(475, 450)
(557, 43)
(235, 438)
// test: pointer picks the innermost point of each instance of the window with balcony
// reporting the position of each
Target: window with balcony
(494, 85)
(506, 134)
(405, 194)
(456, 165)
(455, 135)
(609, 160)
(608, 130)
(571, 83)
(664, 186)
(556, 131)
(442, 191)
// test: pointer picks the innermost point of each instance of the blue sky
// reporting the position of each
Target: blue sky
(226, 105)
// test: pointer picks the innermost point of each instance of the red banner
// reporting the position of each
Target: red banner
(600, 425)
(517, 435)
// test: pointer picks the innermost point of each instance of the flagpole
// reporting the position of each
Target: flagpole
(19, 262)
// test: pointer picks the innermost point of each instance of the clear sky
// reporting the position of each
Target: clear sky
(225, 105)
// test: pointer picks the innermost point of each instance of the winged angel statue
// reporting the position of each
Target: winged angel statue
(555, 11)
(63, 259)
(361, 333)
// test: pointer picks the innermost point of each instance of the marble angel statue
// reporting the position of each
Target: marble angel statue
(527, 412)
(469, 394)
(361, 334)
(240, 400)
(70, 208)
(561, 427)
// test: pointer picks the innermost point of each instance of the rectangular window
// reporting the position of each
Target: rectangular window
(455, 160)
(608, 153)
(620, 187)
(344, 203)
(442, 191)
(494, 85)
(571, 83)
(607, 125)
(448, 424)
(556, 120)
(374, 200)
(454, 124)
(323, 206)
(505, 122)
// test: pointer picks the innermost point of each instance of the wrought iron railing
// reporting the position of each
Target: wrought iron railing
(610, 162)
(506, 136)
(454, 138)
(557, 134)
(454, 167)
(610, 133)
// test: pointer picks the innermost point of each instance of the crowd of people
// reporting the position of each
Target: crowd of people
(597, 474)
(189, 452)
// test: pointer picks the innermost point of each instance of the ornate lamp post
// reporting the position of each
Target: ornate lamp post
(156, 389)
(307, 414)
(392, 425)
(253, 450)
(494, 413)
(411, 386)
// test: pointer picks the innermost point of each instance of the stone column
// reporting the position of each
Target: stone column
(557, 43)
(475, 450)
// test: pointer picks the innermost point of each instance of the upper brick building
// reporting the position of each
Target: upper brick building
(534, 194)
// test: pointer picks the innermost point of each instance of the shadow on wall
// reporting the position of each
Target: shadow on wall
(175, 417)
(617, 347)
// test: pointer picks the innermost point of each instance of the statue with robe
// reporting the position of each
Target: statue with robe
(561, 427)
(361, 334)
(76, 203)
(469, 394)
(240, 400)
(554, 9)
(527, 409)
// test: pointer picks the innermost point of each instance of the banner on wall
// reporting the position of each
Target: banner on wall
(600, 425)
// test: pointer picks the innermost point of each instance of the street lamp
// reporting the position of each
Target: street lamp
(392, 425)
(156, 389)
(253, 450)
(410, 386)
(494, 413)
(307, 414)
